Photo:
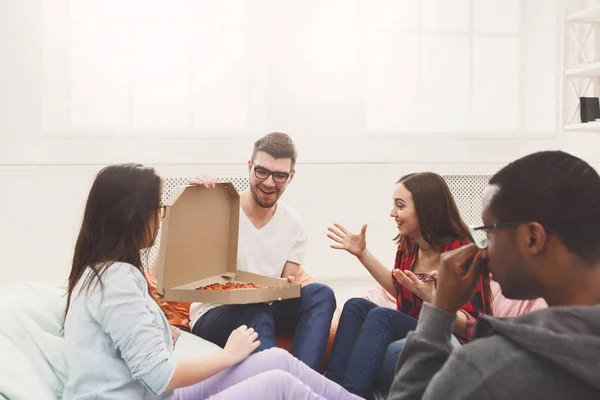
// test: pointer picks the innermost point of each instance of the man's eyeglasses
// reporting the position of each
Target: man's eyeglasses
(278, 176)
(479, 233)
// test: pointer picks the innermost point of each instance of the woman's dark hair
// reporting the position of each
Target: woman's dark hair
(439, 218)
(117, 222)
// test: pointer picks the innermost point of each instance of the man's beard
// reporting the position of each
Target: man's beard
(255, 193)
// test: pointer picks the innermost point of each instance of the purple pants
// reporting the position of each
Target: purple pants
(268, 375)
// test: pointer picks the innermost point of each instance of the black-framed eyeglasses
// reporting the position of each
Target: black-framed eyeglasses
(278, 176)
(479, 233)
(162, 210)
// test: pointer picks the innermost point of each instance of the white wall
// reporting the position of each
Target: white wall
(105, 82)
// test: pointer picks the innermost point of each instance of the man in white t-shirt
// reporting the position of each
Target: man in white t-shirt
(273, 242)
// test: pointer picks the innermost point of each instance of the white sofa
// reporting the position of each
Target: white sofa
(32, 362)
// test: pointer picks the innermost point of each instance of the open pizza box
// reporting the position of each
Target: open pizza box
(198, 247)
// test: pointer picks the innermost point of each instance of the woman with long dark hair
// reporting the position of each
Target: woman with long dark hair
(429, 224)
(119, 344)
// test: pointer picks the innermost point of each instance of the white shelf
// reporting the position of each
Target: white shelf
(575, 41)
(590, 15)
(585, 127)
(590, 70)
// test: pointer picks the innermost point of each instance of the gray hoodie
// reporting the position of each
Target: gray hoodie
(547, 354)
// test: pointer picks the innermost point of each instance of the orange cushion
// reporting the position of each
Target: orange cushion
(177, 313)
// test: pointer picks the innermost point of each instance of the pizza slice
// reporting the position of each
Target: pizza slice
(230, 286)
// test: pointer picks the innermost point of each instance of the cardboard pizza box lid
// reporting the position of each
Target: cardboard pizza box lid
(199, 235)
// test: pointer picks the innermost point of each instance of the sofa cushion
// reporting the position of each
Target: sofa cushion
(32, 365)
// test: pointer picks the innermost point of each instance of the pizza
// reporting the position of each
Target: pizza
(230, 286)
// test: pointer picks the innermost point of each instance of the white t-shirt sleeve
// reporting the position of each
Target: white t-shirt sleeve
(300, 247)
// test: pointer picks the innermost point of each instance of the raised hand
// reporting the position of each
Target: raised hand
(241, 343)
(354, 244)
(458, 277)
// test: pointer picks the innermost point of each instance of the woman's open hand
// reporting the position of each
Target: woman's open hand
(424, 289)
(354, 244)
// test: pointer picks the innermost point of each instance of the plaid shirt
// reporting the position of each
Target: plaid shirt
(409, 303)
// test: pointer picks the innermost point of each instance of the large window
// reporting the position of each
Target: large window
(444, 66)
(197, 68)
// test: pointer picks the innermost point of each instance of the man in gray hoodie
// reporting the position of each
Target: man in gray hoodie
(540, 238)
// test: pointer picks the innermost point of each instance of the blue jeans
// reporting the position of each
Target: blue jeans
(388, 369)
(308, 318)
(364, 333)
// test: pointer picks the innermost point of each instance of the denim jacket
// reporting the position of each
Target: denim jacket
(118, 341)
